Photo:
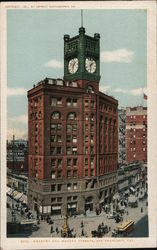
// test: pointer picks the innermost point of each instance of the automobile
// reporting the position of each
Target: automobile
(110, 216)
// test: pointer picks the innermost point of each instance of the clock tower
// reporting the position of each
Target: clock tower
(82, 57)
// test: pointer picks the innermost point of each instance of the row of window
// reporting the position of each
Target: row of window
(134, 149)
(71, 162)
(70, 150)
(71, 116)
(70, 173)
(58, 187)
(59, 199)
(134, 116)
(57, 101)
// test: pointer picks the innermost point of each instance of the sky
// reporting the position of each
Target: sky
(35, 51)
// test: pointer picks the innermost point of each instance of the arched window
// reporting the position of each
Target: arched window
(56, 115)
(90, 89)
(71, 116)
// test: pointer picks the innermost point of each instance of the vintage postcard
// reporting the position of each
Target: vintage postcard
(78, 125)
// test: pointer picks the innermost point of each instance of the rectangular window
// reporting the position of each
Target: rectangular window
(75, 186)
(74, 127)
(59, 126)
(53, 138)
(53, 161)
(68, 102)
(53, 101)
(53, 126)
(92, 103)
(74, 198)
(68, 128)
(86, 172)
(75, 173)
(91, 172)
(53, 199)
(69, 186)
(86, 117)
(59, 150)
(59, 199)
(59, 175)
(53, 187)
(74, 139)
(68, 138)
(59, 187)
(68, 162)
(92, 128)
(74, 150)
(86, 161)
(59, 163)
(74, 162)
(59, 139)
(68, 150)
(74, 102)
(86, 138)
(91, 161)
(86, 127)
(59, 101)
(86, 103)
(69, 198)
(52, 150)
(86, 150)
(53, 174)
(68, 173)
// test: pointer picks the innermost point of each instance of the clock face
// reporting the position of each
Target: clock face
(90, 65)
(73, 65)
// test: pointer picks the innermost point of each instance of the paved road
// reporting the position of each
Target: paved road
(141, 228)
(91, 222)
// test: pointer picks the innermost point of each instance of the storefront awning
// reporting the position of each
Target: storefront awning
(14, 193)
(9, 191)
(56, 207)
(18, 196)
(132, 189)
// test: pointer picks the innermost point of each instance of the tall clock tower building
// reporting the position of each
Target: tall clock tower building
(73, 135)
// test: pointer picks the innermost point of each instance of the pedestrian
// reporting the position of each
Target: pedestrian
(51, 230)
(82, 233)
(82, 224)
(109, 228)
(57, 231)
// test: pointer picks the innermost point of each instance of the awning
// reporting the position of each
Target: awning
(132, 189)
(23, 198)
(56, 207)
(132, 199)
(10, 191)
(14, 193)
(26, 222)
(17, 197)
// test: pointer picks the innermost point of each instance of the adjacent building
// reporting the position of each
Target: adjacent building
(136, 134)
(17, 155)
(72, 134)
(121, 136)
